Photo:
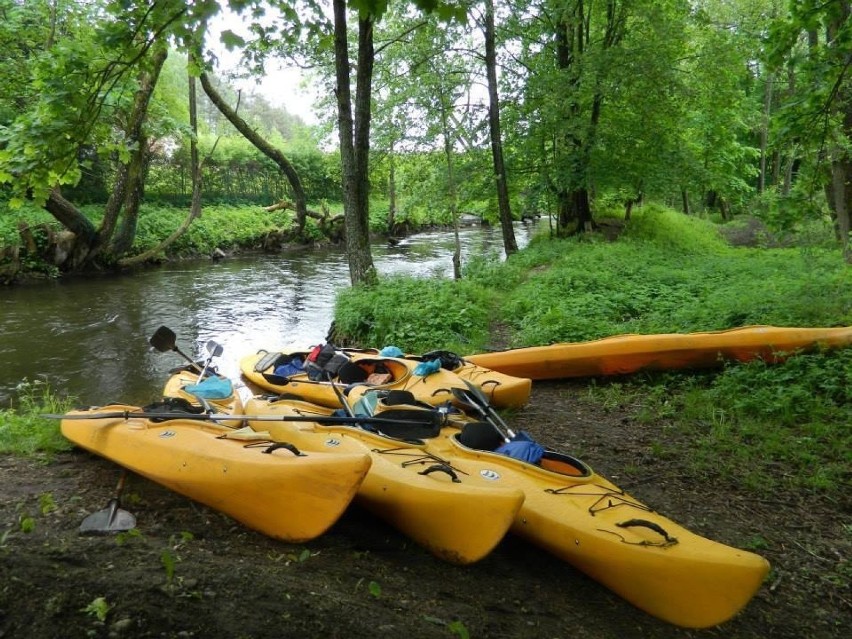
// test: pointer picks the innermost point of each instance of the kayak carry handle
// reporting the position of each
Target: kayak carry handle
(648, 524)
(444, 468)
(273, 447)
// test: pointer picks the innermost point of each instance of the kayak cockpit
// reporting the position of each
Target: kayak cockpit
(482, 436)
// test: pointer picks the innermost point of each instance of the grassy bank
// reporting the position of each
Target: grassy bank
(765, 425)
(23, 432)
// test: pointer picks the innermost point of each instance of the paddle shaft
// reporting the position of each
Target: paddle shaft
(320, 419)
(476, 398)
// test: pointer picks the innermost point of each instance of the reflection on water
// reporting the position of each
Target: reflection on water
(89, 338)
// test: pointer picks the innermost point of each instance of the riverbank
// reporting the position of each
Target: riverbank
(191, 572)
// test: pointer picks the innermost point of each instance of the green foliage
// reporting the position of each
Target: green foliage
(27, 524)
(375, 589)
(766, 426)
(23, 432)
(787, 423)
(169, 561)
(220, 226)
(671, 273)
(413, 314)
(98, 608)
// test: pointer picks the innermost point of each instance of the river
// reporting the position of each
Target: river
(88, 338)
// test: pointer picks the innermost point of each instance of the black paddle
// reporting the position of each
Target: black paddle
(477, 399)
(427, 417)
(165, 340)
(111, 519)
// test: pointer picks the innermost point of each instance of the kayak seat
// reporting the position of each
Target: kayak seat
(407, 428)
(351, 373)
(564, 464)
(480, 436)
(483, 436)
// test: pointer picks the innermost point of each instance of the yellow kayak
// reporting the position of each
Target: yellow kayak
(586, 520)
(503, 391)
(270, 489)
(582, 518)
(624, 354)
(222, 398)
(360, 371)
(456, 514)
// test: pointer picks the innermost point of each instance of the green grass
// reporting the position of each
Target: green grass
(23, 432)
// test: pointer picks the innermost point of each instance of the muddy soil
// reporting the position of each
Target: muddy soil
(192, 572)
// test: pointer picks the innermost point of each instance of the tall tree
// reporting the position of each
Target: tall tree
(815, 40)
(265, 147)
(95, 87)
(354, 137)
(510, 245)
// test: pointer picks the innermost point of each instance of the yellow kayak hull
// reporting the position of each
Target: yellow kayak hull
(649, 560)
(288, 497)
(502, 390)
(457, 521)
(623, 354)
(433, 389)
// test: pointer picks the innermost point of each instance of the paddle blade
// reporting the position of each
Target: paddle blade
(164, 339)
(111, 519)
(214, 348)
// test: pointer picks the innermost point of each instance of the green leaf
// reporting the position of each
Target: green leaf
(375, 589)
(231, 40)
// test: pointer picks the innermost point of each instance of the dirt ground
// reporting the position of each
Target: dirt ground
(364, 579)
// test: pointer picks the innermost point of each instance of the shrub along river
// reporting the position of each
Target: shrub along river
(88, 338)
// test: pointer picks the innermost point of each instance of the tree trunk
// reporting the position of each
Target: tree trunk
(510, 245)
(391, 193)
(573, 31)
(841, 183)
(128, 194)
(262, 145)
(72, 219)
(451, 181)
(354, 141)
(764, 132)
(684, 196)
(195, 206)
(841, 167)
(137, 171)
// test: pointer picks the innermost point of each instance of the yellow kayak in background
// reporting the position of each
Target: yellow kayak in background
(360, 371)
(624, 354)
(456, 514)
(502, 390)
(223, 398)
(269, 489)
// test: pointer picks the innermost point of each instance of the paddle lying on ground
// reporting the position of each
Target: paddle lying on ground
(427, 417)
(111, 519)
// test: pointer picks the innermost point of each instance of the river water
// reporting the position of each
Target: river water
(88, 338)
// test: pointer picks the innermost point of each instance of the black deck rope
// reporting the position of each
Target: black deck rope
(605, 501)
(667, 540)
(417, 456)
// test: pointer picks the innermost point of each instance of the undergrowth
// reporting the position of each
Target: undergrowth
(23, 431)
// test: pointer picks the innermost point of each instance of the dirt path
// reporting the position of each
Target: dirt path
(195, 573)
